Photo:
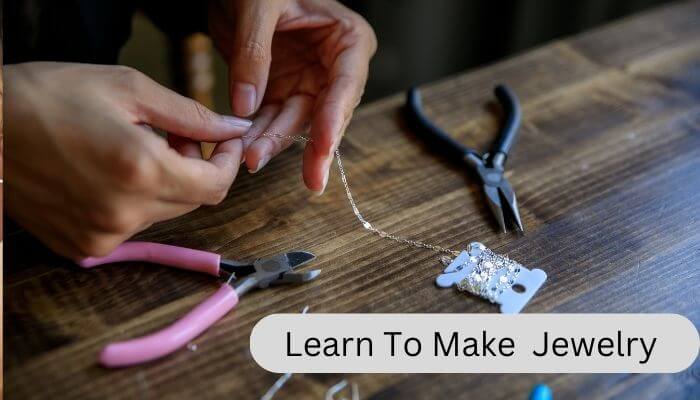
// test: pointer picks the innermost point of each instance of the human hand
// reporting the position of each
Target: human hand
(85, 171)
(296, 62)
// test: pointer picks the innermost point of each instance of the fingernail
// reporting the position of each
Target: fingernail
(323, 188)
(243, 99)
(261, 163)
(235, 121)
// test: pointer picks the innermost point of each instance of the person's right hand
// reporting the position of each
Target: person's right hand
(83, 169)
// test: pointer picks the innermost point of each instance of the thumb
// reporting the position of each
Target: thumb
(162, 108)
(249, 65)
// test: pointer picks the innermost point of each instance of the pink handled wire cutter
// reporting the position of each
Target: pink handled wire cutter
(242, 277)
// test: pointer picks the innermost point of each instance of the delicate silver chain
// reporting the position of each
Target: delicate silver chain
(365, 224)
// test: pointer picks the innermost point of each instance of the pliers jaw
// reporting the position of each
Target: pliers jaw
(507, 194)
(275, 270)
(503, 204)
(499, 194)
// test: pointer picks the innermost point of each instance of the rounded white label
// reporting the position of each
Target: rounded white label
(474, 343)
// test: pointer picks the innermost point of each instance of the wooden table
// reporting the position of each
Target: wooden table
(607, 172)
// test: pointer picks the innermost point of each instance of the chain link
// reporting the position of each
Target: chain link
(365, 224)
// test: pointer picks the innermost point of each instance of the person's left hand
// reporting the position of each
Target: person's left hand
(295, 63)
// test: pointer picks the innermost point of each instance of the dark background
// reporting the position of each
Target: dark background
(425, 40)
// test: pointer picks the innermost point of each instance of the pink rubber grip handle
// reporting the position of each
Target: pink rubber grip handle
(180, 257)
(166, 341)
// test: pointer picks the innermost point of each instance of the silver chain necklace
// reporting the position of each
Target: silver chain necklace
(476, 270)
(366, 224)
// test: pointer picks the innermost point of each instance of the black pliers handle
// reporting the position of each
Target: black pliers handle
(509, 131)
(488, 166)
(443, 143)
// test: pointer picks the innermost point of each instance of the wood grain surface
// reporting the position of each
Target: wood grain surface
(606, 170)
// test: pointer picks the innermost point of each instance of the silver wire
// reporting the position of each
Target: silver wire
(333, 390)
(282, 379)
(276, 386)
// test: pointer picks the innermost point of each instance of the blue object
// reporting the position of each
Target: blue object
(541, 392)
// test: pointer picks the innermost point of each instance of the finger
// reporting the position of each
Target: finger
(347, 82)
(261, 122)
(184, 146)
(162, 108)
(225, 150)
(316, 170)
(194, 181)
(349, 75)
(249, 66)
(290, 121)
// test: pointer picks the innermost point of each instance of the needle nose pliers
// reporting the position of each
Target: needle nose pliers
(489, 166)
(242, 277)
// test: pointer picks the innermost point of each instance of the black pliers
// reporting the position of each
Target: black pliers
(490, 166)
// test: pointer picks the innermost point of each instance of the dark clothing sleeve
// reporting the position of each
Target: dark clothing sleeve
(66, 30)
(90, 31)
